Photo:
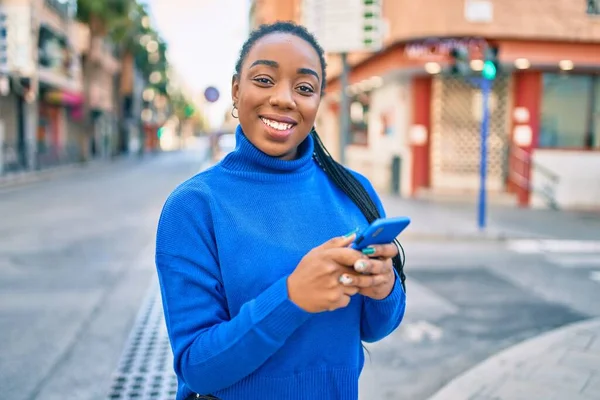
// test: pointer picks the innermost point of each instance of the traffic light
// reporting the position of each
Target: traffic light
(189, 110)
(491, 66)
(159, 132)
(460, 62)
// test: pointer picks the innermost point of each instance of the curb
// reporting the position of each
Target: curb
(502, 365)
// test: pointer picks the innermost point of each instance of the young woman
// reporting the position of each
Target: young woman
(263, 297)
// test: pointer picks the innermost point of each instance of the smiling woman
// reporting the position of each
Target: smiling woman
(277, 93)
(263, 296)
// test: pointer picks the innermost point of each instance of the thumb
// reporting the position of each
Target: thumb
(340, 241)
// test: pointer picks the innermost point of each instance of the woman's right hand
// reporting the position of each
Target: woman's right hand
(316, 286)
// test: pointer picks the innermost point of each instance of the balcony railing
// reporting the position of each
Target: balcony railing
(66, 8)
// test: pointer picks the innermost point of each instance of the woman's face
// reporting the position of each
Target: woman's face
(278, 93)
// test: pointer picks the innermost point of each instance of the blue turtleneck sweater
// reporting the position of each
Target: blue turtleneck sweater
(227, 240)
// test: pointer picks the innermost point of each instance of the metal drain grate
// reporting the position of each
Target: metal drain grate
(145, 371)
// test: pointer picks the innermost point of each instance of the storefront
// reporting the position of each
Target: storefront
(456, 113)
(544, 111)
(56, 142)
(556, 139)
(60, 107)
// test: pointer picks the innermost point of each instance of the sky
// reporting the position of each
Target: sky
(204, 38)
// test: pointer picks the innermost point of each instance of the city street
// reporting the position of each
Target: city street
(76, 258)
(79, 305)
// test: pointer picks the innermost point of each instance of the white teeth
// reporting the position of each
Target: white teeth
(280, 126)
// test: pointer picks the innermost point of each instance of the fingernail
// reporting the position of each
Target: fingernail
(361, 266)
(345, 279)
(347, 235)
(368, 251)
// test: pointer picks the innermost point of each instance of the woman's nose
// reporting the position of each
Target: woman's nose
(282, 98)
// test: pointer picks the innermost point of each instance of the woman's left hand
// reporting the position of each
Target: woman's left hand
(378, 262)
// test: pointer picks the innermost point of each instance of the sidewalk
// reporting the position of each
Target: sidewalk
(457, 221)
(558, 365)
(14, 179)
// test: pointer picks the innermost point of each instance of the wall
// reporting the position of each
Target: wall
(392, 102)
(269, 11)
(8, 118)
(531, 19)
(101, 90)
(544, 20)
(579, 178)
(327, 124)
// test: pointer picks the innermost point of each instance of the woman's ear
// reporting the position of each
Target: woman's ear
(235, 88)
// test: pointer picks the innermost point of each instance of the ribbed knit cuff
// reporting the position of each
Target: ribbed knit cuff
(389, 303)
(275, 314)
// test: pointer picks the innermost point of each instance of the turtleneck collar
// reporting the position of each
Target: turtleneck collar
(247, 158)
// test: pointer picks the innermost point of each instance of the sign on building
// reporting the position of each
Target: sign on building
(16, 43)
(3, 44)
(343, 26)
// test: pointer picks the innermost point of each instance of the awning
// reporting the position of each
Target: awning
(63, 98)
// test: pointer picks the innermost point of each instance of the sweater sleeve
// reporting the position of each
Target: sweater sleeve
(381, 317)
(213, 349)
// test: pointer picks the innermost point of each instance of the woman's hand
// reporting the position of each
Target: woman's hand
(379, 267)
(324, 279)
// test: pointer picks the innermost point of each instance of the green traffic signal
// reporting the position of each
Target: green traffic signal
(159, 132)
(489, 70)
(189, 111)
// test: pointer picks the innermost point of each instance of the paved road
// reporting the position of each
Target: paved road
(76, 270)
(76, 258)
(466, 302)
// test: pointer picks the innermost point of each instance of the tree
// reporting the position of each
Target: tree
(99, 16)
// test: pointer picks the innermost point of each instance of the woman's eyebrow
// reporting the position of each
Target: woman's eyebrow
(308, 71)
(275, 64)
(269, 63)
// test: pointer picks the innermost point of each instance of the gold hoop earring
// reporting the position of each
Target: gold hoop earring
(234, 109)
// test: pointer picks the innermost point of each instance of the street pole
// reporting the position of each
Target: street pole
(344, 109)
(486, 86)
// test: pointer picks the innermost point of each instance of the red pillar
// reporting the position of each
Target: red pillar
(421, 115)
(527, 94)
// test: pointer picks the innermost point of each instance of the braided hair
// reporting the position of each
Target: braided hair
(334, 170)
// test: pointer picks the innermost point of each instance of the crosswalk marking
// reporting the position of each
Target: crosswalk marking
(421, 330)
(567, 254)
(529, 246)
(575, 260)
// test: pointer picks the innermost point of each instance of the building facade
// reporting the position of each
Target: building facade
(416, 130)
(100, 83)
(45, 84)
(269, 11)
(18, 85)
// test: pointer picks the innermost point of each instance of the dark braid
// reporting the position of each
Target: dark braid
(334, 170)
(357, 193)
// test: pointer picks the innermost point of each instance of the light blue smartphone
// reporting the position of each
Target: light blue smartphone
(381, 231)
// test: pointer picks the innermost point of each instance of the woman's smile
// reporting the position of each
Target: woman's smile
(279, 128)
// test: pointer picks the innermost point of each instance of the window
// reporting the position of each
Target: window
(570, 115)
(593, 7)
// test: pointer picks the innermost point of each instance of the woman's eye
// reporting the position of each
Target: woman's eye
(264, 81)
(306, 89)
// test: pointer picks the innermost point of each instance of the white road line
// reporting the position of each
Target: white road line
(421, 330)
(575, 260)
(554, 246)
(595, 276)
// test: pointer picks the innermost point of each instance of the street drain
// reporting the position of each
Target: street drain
(145, 370)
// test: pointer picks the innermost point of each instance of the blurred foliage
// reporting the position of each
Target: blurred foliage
(127, 24)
